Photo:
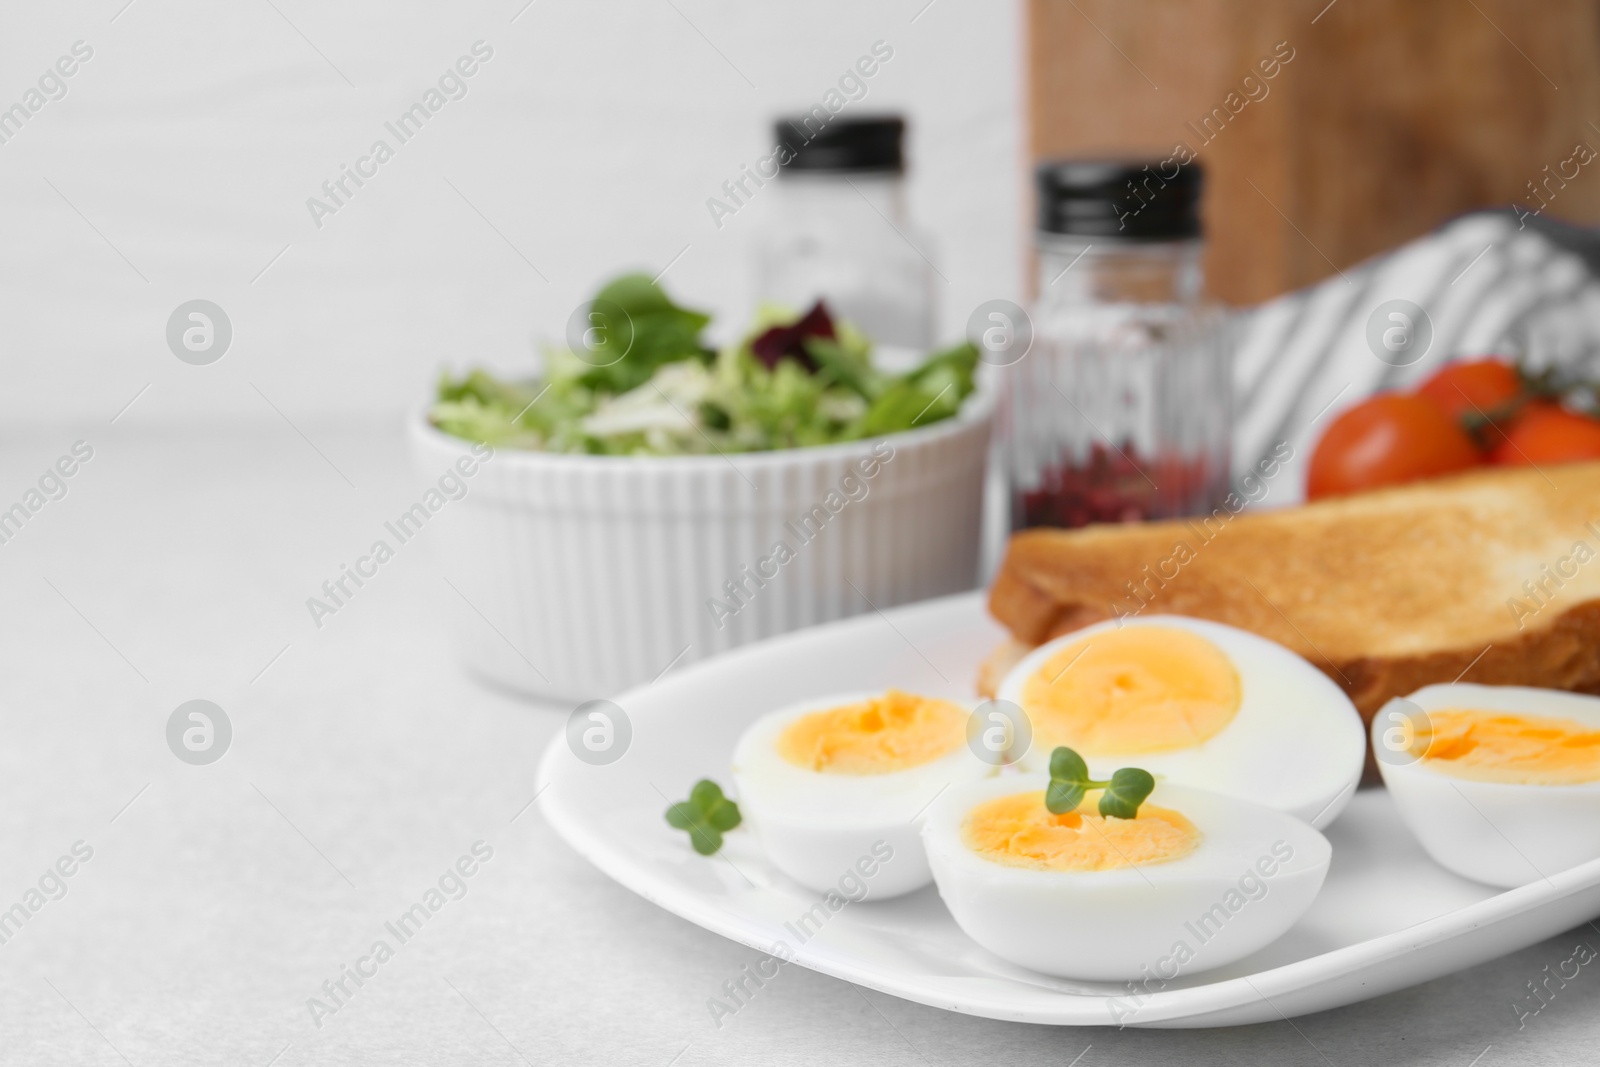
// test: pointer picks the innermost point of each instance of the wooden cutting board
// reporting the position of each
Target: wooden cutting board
(1331, 132)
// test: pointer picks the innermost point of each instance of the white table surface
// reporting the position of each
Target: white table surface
(219, 898)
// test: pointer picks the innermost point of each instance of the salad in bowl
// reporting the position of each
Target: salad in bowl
(638, 380)
(649, 500)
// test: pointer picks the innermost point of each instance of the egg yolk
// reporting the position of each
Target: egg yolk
(1019, 831)
(1491, 746)
(1133, 690)
(877, 736)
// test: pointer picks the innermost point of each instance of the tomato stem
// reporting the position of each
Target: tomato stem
(1547, 384)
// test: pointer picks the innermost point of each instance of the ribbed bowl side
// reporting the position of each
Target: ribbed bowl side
(583, 576)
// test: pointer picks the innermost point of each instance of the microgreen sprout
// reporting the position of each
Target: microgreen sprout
(706, 815)
(1069, 781)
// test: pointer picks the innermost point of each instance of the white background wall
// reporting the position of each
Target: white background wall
(591, 140)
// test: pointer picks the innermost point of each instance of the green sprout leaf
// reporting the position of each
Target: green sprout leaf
(706, 816)
(1128, 789)
(1068, 766)
(1069, 781)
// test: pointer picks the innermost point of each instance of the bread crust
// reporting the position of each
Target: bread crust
(993, 670)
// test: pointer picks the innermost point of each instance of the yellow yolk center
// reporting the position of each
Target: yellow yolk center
(1491, 746)
(877, 736)
(1133, 690)
(1019, 831)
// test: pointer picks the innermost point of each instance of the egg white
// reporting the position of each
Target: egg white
(1126, 924)
(1499, 833)
(815, 827)
(1297, 743)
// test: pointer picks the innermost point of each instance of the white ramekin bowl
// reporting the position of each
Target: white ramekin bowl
(586, 575)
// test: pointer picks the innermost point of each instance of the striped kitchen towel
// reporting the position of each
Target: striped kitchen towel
(1485, 283)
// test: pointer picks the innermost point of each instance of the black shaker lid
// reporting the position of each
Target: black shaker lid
(1129, 199)
(839, 144)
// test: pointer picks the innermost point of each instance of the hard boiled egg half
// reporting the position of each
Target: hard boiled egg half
(1194, 703)
(829, 782)
(1196, 880)
(1501, 784)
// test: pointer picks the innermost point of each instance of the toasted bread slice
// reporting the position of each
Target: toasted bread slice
(993, 670)
(1491, 576)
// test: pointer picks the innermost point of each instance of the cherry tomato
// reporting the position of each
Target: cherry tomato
(1468, 387)
(1548, 433)
(1386, 440)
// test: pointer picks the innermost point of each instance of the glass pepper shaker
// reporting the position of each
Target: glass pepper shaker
(1121, 413)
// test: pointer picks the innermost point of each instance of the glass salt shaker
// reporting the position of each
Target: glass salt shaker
(1121, 412)
(837, 229)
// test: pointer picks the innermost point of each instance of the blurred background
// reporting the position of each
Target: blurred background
(180, 160)
(1385, 120)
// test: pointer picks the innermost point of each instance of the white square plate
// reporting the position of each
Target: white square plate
(1387, 917)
